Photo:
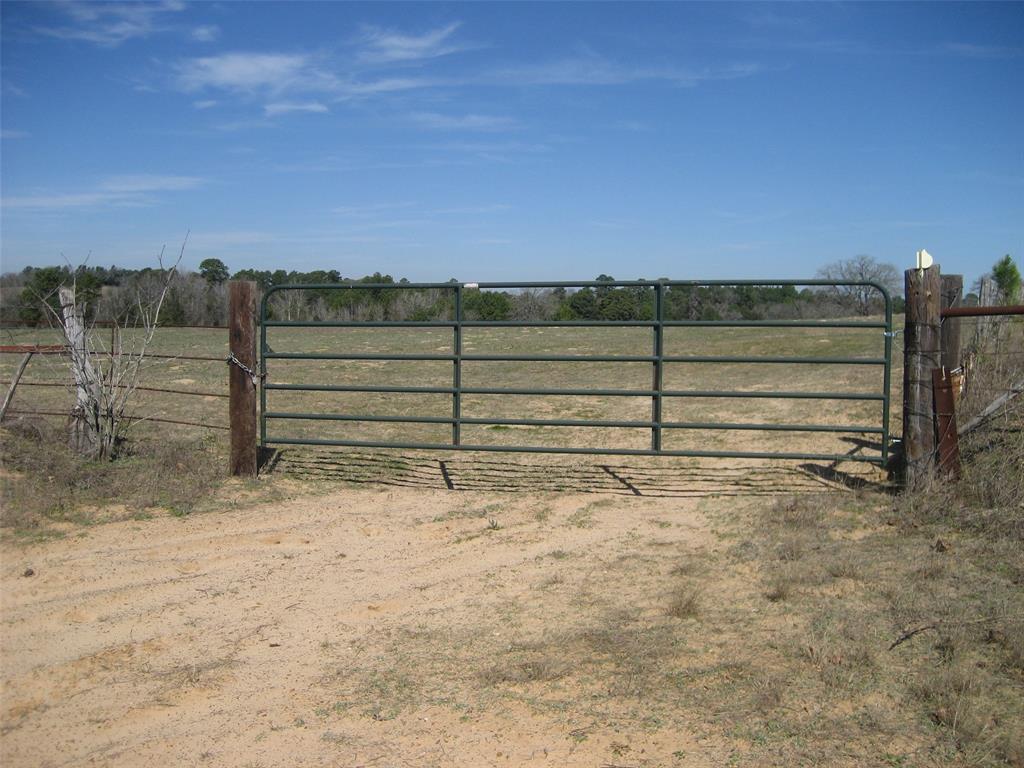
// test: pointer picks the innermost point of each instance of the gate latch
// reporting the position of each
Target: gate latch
(232, 360)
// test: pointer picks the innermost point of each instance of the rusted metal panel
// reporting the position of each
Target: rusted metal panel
(945, 422)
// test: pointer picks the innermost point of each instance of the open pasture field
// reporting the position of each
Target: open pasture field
(347, 609)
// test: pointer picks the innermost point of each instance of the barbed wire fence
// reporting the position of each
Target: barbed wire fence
(40, 386)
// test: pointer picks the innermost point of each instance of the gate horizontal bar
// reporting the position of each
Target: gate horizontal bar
(362, 388)
(576, 392)
(616, 424)
(574, 358)
(567, 284)
(837, 457)
(461, 420)
(781, 360)
(771, 427)
(572, 324)
(774, 394)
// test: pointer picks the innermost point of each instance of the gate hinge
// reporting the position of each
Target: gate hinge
(891, 334)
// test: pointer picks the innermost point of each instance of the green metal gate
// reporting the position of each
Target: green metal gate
(657, 393)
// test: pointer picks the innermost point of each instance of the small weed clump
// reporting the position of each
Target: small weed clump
(686, 603)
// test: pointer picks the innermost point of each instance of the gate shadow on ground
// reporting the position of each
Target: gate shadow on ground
(468, 473)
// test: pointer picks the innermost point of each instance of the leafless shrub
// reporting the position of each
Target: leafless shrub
(106, 374)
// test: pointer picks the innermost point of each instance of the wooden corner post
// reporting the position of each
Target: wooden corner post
(241, 377)
(922, 353)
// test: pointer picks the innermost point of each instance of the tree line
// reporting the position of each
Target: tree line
(113, 294)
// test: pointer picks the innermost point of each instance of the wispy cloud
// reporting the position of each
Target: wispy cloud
(765, 16)
(494, 151)
(250, 73)
(229, 238)
(474, 210)
(132, 190)
(205, 33)
(110, 24)
(149, 183)
(612, 223)
(975, 51)
(406, 213)
(598, 70)
(204, 104)
(285, 107)
(750, 217)
(471, 122)
(304, 78)
(9, 134)
(383, 46)
(276, 75)
(370, 210)
(633, 126)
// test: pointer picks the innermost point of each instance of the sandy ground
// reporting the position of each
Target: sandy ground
(364, 626)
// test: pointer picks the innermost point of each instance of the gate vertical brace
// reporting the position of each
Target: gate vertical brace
(887, 378)
(457, 370)
(263, 372)
(658, 372)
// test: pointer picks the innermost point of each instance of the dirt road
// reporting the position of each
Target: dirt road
(375, 626)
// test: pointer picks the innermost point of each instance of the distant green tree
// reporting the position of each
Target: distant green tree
(618, 305)
(1007, 278)
(583, 304)
(604, 290)
(173, 310)
(40, 292)
(487, 305)
(213, 271)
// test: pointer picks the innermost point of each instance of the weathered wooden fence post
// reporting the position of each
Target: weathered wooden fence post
(952, 294)
(14, 384)
(84, 432)
(986, 298)
(241, 377)
(921, 354)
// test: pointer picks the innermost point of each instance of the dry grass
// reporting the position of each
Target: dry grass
(43, 484)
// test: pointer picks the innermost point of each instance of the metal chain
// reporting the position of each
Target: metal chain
(232, 360)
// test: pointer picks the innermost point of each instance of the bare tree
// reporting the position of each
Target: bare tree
(864, 299)
(106, 376)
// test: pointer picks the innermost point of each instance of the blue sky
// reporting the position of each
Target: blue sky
(514, 141)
